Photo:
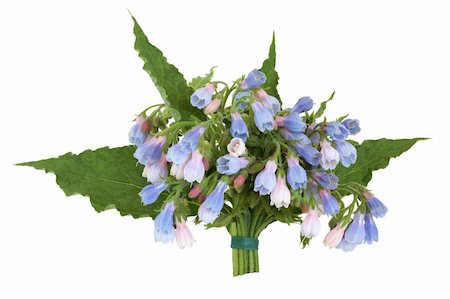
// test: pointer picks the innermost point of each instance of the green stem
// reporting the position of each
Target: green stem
(244, 261)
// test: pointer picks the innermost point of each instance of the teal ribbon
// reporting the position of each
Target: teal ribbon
(244, 243)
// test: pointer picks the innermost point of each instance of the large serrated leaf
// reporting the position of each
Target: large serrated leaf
(372, 155)
(108, 176)
(268, 68)
(168, 80)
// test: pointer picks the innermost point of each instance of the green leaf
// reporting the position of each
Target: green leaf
(166, 77)
(268, 68)
(223, 220)
(108, 176)
(372, 155)
(323, 106)
(200, 81)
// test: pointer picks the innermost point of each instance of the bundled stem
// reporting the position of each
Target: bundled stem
(249, 225)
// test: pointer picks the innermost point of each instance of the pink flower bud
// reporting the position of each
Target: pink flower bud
(183, 235)
(334, 236)
(195, 191)
(206, 164)
(143, 123)
(260, 94)
(239, 181)
(212, 107)
(279, 120)
(201, 198)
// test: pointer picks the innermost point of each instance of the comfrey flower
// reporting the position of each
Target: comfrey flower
(212, 107)
(302, 105)
(312, 191)
(254, 79)
(309, 153)
(137, 134)
(329, 156)
(294, 123)
(327, 180)
(229, 164)
(164, 230)
(269, 102)
(336, 130)
(263, 117)
(194, 170)
(347, 152)
(177, 170)
(334, 236)
(280, 196)
(266, 180)
(346, 246)
(156, 172)
(330, 204)
(352, 126)
(376, 207)
(370, 229)
(300, 137)
(150, 151)
(355, 232)
(150, 193)
(202, 96)
(238, 127)
(213, 204)
(183, 235)
(192, 137)
(311, 224)
(296, 175)
(239, 96)
(179, 153)
(236, 147)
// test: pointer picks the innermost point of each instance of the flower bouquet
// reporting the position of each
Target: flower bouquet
(229, 155)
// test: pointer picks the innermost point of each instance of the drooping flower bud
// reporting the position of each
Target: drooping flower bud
(150, 193)
(202, 96)
(280, 196)
(254, 79)
(352, 126)
(238, 127)
(347, 152)
(194, 169)
(329, 158)
(311, 224)
(212, 107)
(336, 130)
(296, 174)
(239, 181)
(355, 232)
(211, 207)
(376, 207)
(334, 236)
(269, 102)
(230, 165)
(164, 230)
(263, 118)
(302, 105)
(183, 235)
(330, 204)
(266, 180)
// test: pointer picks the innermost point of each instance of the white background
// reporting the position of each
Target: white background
(70, 80)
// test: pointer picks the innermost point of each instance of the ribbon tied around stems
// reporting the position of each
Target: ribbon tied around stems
(244, 243)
